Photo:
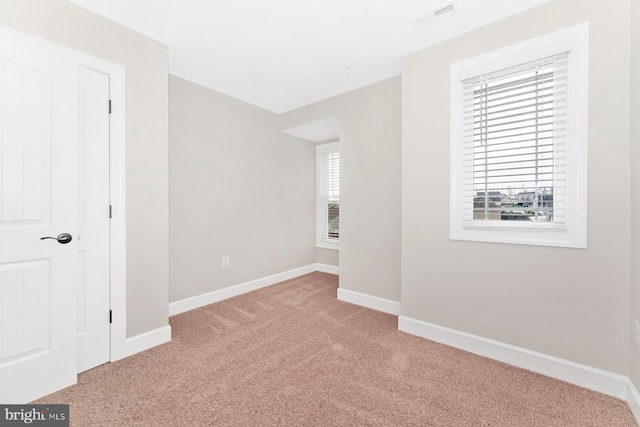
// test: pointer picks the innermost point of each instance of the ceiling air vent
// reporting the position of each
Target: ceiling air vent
(438, 13)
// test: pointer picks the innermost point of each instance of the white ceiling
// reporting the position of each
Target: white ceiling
(283, 54)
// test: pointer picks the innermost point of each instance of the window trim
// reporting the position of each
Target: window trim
(321, 212)
(574, 233)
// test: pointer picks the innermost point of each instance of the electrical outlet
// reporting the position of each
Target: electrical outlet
(225, 261)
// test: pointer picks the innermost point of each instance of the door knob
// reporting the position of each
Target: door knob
(63, 238)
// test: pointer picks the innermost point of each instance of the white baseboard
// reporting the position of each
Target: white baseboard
(187, 304)
(326, 268)
(369, 301)
(141, 342)
(575, 373)
(633, 400)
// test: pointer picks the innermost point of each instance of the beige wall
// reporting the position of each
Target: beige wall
(146, 63)
(569, 303)
(370, 124)
(327, 256)
(634, 351)
(239, 188)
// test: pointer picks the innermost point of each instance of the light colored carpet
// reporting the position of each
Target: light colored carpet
(293, 355)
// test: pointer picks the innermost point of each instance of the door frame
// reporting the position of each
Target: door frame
(118, 346)
(117, 198)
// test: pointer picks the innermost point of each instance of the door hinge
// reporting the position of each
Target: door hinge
(110, 211)
(110, 316)
(109, 106)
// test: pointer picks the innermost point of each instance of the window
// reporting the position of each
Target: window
(519, 143)
(515, 133)
(328, 195)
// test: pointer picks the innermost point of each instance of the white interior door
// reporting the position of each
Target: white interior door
(38, 197)
(93, 218)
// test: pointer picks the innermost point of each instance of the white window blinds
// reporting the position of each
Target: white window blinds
(515, 143)
(328, 216)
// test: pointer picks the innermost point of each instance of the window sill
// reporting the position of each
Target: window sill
(538, 236)
(328, 245)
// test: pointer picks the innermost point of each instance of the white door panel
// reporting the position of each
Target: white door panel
(25, 142)
(38, 192)
(25, 291)
(93, 219)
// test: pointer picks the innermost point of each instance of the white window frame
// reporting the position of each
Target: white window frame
(322, 240)
(575, 41)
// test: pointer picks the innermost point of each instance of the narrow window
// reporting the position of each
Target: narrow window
(328, 195)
